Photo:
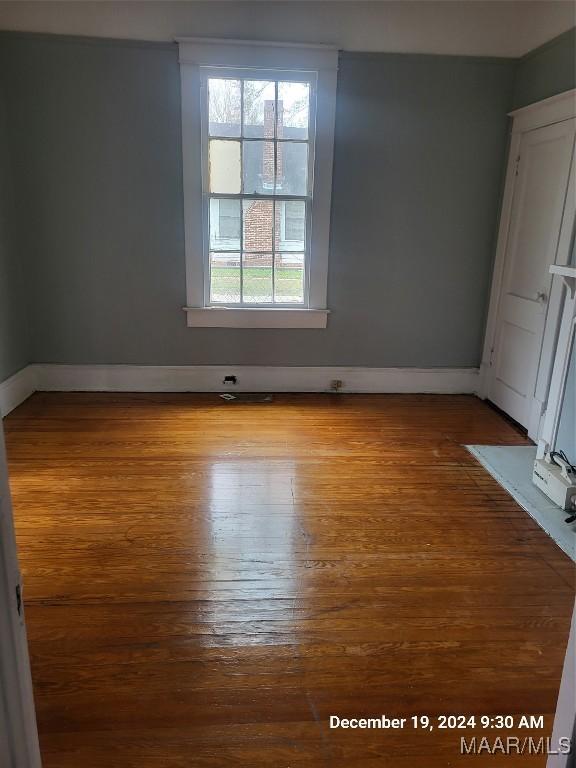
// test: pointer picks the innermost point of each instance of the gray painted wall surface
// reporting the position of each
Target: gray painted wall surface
(420, 143)
(547, 70)
(14, 338)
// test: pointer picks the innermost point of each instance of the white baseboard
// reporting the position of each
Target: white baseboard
(252, 378)
(16, 389)
(209, 378)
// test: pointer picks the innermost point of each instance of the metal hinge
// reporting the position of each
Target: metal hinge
(517, 165)
(19, 599)
(491, 357)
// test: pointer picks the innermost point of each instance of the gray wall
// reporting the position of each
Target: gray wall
(420, 143)
(547, 70)
(14, 338)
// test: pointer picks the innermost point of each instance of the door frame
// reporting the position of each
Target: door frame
(565, 717)
(19, 744)
(557, 390)
(555, 109)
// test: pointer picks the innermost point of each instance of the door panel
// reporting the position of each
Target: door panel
(520, 312)
(515, 346)
(536, 216)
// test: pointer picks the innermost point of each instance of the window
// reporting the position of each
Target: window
(257, 147)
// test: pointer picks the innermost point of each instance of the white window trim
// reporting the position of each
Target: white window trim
(566, 276)
(196, 53)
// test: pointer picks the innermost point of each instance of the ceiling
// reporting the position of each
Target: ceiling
(470, 27)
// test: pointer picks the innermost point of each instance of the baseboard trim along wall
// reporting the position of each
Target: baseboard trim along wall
(16, 389)
(250, 378)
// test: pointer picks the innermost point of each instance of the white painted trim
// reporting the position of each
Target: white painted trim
(16, 389)
(565, 717)
(498, 272)
(252, 54)
(322, 194)
(209, 378)
(549, 431)
(221, 317)
(258, 43)
(554, 316)
(568, 275)
(19, 743)
(319, 60)
(192, 184)
(555, 109)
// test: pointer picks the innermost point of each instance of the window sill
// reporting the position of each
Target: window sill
(221, 317)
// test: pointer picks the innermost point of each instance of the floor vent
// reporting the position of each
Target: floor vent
(247, 398)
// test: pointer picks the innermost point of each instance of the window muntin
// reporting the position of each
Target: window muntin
(258, 149)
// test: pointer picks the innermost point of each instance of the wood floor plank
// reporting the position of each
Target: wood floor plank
(206, 582)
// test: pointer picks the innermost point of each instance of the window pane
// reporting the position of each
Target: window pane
(293, 110)
(257, 278)
(289, 278)
(290, 225)
(225, 278)
(224, 160)
(292, 168)
(258, 167)
(224, 225)
(224, 107)
(257, 225)
(259, 109)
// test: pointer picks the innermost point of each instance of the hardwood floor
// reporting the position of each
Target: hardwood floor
(207, 582)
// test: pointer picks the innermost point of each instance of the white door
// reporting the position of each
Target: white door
(540, 190)
(18, 735)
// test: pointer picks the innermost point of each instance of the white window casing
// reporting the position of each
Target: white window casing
(316, 65)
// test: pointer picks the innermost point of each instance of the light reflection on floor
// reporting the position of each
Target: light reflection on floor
(254, 535)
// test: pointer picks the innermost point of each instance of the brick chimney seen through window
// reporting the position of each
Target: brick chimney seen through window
(258, 214)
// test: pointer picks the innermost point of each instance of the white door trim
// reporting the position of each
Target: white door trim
(555, 109)
(565, 717)
(498, 272)
(544, 396)
(563, 348)
(549, 111)
(19, 745)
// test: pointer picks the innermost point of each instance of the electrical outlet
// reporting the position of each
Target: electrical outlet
(230, 380)
(336, 385)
